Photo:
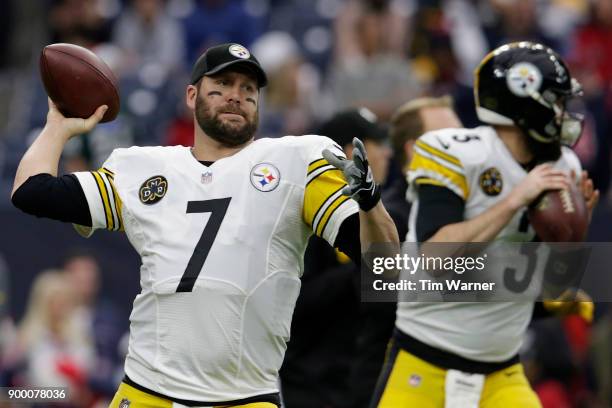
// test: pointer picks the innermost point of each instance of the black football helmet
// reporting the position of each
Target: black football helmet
(528, 85)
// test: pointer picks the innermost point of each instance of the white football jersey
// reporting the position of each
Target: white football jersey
(476, 165)
(222, 254)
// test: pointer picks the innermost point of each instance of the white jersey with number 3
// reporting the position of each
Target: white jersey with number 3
(477, 166)
(222, 253)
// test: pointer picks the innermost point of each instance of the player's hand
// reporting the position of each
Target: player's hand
(361, 185)
(73, 126)
(572, 302)
(542, 178)
(590, 194)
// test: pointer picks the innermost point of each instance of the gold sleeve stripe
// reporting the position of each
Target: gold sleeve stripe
(439, 153)
(117, 199)
(105, 199)
(317, 164)
(425, 180)
(328, 214)
(326, 202)
(432, 169)
(119, 206)
(319, 193)
(322, 170)
(440, 161)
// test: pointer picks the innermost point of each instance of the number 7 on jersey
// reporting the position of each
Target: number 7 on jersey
(217, 209)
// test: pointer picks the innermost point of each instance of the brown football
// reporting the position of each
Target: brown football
(560, 216)
(78, 81)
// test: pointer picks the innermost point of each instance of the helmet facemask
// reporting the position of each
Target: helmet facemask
(566, 124)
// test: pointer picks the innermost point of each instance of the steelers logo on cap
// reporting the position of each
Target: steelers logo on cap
(239, 51)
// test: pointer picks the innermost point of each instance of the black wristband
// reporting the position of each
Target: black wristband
(369, 201)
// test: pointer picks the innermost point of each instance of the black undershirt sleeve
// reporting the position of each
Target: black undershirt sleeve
(438, 206)
(59, 198)
(348, 240)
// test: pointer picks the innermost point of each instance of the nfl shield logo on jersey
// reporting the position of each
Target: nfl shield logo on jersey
(265, 177)
(206, 177)
(124, 403)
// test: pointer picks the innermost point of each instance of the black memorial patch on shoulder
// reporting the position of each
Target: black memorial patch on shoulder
(153, 190)
(491, 181)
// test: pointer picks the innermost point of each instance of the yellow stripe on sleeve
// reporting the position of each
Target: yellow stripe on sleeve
(316, 164)
(105, 199)
(439, 153)
(430, 181)
(117, 199)
(427, 168)
(318, 192)
(328, 214)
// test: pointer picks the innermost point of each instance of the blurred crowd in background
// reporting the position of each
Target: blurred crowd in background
(322, 56)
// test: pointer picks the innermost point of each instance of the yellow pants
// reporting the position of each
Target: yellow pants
(412, 382)
(130, 397)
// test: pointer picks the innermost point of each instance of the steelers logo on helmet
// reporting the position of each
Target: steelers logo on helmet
(265, 177)
(524, 79)
(491, 181)
(239, 51)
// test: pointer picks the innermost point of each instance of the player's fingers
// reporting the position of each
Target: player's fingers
(588, 188)
(593, 200)
(542, 167)
(358, 144)
(97, 116)
(554, 172)
(554, 183)
(334, 160)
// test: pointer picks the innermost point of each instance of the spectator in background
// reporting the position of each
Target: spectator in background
(214, 22)
(99, 318)
(148, 35)
(78, 22)
(57, 352)
(317, 365)
(408, 123)
(288, 101)
(602, 356)
(516, 20)
(375, 76)
(590, 58)
(448, 44)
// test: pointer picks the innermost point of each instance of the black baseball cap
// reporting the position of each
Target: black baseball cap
(358, 122)
(217, 58)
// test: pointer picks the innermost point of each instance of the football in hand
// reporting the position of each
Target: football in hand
(78, 81)
(560, 215)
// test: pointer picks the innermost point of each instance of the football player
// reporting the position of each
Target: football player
(221, 229)
(473, 185)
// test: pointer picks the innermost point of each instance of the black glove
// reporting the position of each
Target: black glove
(361, 185)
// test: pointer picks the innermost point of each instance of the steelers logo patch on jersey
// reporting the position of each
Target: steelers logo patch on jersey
(265, 177)
(491, 181)
(153, 190)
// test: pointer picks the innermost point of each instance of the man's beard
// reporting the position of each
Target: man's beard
(226, 134)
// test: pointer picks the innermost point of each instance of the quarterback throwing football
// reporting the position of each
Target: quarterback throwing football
(221, 229)
(473, 185)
